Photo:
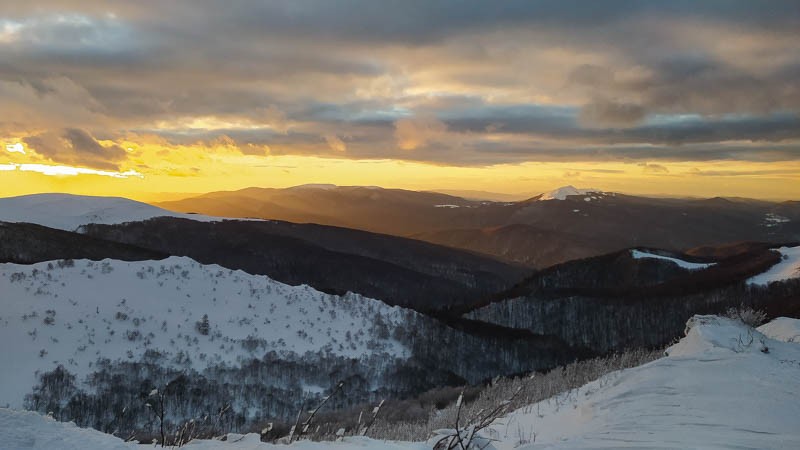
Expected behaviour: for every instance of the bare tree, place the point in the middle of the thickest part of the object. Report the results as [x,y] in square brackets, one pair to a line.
[467,438]
[363,430]
[295,433]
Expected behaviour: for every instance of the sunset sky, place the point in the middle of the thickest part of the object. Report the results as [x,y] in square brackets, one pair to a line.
[156,99]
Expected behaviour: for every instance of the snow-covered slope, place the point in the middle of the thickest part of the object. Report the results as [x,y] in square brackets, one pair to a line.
[724,385]
[788,267]
[783,329]
[69,212]
[72,314]
[563,192]
[26,430]
[638,254]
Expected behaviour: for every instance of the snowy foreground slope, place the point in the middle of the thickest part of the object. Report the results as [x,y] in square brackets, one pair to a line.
[69,212]
[724,385]
[73,313]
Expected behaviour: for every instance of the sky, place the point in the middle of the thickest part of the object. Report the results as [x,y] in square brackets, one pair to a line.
[155,100]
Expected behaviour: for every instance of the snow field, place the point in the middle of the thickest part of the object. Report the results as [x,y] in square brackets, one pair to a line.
[787,268]
[638,254]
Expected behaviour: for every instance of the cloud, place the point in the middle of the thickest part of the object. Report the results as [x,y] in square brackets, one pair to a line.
[653,168]
[745,173]
[335,143]
[416,132]
[530,81]
[76,147]
[15,148]
[59,170]
[591,75]
[605,113]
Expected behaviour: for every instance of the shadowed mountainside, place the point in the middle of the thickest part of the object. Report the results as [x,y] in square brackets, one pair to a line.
[25,243]
[538,232]
[396,270]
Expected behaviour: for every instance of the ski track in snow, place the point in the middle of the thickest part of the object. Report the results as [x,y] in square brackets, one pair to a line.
[112,309]
[638,254]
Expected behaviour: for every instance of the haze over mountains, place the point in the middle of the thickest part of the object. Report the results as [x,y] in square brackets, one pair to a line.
[548,229]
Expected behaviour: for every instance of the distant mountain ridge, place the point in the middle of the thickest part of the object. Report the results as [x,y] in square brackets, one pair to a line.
[541,231]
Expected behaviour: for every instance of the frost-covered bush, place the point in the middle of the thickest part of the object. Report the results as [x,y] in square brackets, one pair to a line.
[747,315]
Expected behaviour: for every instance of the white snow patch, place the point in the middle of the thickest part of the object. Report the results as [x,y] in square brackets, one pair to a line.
[563,192]
[772,219]
[447,206]
[638,254]
[783,329]
[55,314]
[788,267]
[70,212]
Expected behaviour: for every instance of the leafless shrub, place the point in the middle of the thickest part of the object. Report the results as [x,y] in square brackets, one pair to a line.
[747,315]
[469,436]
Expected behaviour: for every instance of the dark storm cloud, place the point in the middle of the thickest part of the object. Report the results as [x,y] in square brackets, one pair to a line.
[660,78]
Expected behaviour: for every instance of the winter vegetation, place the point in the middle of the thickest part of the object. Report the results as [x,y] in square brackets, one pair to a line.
[622,302]
[225,348]
[696,386]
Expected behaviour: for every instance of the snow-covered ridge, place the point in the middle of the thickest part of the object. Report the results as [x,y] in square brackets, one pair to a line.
[563,192]
[638,254]
[787,268]
[70,212]
[72,313]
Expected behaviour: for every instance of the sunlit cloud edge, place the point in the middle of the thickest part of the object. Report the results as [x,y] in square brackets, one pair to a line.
[54,170]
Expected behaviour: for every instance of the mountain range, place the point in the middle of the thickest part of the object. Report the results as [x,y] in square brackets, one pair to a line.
[108,299]
[547,229]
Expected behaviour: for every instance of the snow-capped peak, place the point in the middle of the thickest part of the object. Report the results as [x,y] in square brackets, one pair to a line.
[563,192]
[70,212]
